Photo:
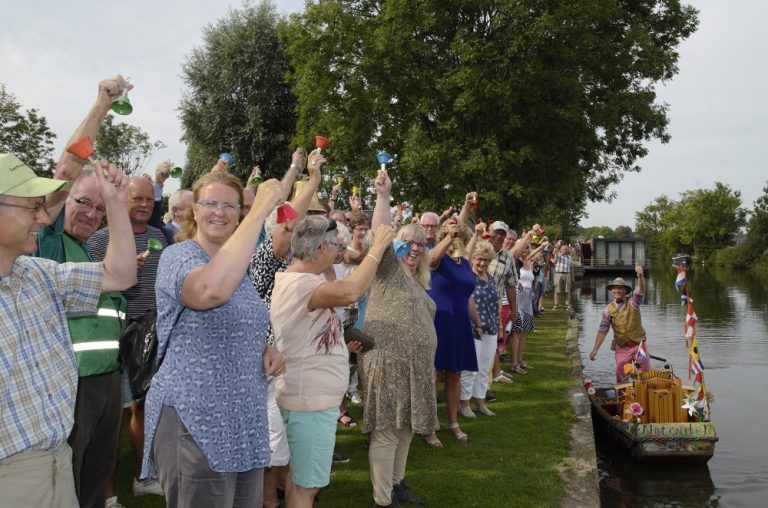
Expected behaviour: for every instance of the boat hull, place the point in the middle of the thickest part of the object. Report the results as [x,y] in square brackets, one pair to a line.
[657,442]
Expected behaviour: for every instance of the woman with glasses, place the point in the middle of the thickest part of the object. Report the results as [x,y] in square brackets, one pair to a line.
[206,415]
[309,333]
[398,374]
[484,311]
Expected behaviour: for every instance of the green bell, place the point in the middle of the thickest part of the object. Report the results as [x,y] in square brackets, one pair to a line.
[176,171]
[122,105]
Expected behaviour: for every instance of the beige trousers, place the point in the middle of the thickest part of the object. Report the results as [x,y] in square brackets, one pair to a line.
[387,457]
[38,479]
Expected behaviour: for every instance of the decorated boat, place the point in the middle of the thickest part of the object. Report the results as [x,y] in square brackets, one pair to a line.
[656,418]
[652,413]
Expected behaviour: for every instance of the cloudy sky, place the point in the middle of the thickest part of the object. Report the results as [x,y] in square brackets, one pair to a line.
[53,53]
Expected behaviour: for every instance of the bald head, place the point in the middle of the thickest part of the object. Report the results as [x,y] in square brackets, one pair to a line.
[140,201]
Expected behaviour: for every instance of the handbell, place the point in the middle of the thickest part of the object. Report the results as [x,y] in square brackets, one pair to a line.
[321,142]
[402,248]
[122,105]
[285,213]
[339,179]
[176,171]
[82,148]
[458,248]
[384,158]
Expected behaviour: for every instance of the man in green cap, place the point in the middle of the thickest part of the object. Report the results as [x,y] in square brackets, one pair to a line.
[38,373]
[623,315]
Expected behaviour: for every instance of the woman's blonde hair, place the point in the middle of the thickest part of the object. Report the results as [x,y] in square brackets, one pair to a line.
[188,225]
[416,233]
[484,247]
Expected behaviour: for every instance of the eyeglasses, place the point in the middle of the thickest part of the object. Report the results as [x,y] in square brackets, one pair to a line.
[482,260]
[429,226]
[39,207]
[211,205]
[86,203]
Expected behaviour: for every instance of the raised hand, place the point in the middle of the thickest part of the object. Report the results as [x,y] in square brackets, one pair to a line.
[382,182]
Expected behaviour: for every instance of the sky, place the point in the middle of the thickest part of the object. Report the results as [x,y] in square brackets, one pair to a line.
[53,54]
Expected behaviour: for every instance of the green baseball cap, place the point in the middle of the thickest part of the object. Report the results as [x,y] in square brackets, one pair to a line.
[17,179]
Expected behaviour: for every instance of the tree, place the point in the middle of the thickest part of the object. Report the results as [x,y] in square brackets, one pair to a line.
[25,134]
[757,227]
[622,232]
[237,99]
[125,145]
[530,103]
[710,219]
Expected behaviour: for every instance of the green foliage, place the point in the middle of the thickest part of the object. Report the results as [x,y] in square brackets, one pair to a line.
[237,100]
[622,232]
[25,134]
[540,106]
[757,227]
[702,222]
[125,145]
[735,257]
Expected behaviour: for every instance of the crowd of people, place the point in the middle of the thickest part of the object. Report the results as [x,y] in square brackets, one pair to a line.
[252,304]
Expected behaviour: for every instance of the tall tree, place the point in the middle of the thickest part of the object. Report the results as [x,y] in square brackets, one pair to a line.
[757,227]
[529,102]
[710,218]
[25,134]
[125,145]
[237,99]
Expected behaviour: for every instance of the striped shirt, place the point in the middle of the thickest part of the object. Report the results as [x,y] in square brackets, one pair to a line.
[38,375]
[140,297]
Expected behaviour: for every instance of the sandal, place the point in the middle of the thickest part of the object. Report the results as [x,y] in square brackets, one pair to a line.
[457,433]
[347,420]
[432,440]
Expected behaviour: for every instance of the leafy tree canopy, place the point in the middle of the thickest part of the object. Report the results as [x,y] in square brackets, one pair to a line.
[25,134]
[237,100]
[701,223]
[540,106]
[125,145]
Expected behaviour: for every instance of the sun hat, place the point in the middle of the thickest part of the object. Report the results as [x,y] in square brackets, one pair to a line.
[499,226]
[619,282]
[17,179]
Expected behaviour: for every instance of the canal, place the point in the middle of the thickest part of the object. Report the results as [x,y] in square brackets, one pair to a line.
[732,333]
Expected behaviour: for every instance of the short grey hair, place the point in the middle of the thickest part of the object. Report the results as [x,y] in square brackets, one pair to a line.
[430,214]
[176,197]
[309,234]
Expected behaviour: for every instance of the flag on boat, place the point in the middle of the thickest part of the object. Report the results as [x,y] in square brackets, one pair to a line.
[680,281]
[642,353]
[690,323]
[696,367]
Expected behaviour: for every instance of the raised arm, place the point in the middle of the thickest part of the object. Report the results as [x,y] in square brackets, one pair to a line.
[298,162]
[350,289]
[382,211]
[470,201]
[69,167]
[302,201]
[214,283]
[120,259]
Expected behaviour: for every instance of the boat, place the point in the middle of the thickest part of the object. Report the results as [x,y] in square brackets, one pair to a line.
[681,259]
[667,430]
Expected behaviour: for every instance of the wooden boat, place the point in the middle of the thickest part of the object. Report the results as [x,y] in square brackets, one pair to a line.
[665,431]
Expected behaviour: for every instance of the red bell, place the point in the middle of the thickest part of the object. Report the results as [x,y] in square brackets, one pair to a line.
[82,148]
[285,213]
[321,142]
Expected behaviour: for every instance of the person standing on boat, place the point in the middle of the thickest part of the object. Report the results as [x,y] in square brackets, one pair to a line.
[623,314]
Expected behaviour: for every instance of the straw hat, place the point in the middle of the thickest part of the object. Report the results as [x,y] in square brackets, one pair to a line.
[619,282]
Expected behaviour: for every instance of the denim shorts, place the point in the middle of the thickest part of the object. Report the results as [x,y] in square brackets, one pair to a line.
[311,438]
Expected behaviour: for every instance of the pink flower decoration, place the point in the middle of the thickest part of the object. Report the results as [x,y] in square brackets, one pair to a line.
[636,409]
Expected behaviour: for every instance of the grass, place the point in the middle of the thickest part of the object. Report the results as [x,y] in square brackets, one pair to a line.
[510,459]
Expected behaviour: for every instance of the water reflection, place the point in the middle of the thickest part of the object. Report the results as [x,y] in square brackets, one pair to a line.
[732,333]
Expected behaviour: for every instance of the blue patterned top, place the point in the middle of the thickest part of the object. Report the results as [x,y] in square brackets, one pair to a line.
[212,373]
[487,301]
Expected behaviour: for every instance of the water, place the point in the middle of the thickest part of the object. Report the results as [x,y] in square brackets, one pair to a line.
[732,333]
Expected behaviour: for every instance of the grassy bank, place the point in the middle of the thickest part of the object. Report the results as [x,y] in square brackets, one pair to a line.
[510,458]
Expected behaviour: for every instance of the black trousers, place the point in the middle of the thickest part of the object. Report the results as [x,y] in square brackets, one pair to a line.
[95,436]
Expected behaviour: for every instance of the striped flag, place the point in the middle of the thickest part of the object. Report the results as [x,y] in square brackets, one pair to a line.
[690,322]
[642,353]
[680,281]
[696,367]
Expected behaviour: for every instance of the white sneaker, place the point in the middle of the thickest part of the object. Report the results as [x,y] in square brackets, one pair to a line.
[355,398]
[484,411]
[467,412]
[112,503]
[150,486]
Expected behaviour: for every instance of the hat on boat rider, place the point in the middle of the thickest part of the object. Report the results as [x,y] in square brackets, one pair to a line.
[619,282]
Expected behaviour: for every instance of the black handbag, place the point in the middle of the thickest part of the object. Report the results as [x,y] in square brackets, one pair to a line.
[138,351]
[354,334]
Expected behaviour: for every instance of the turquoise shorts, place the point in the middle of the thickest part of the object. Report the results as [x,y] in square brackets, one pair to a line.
[311,438]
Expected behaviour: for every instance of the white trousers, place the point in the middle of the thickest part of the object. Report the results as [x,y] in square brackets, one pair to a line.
[475,384]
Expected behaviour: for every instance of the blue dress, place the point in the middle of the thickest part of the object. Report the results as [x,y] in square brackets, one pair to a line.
[451,286]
